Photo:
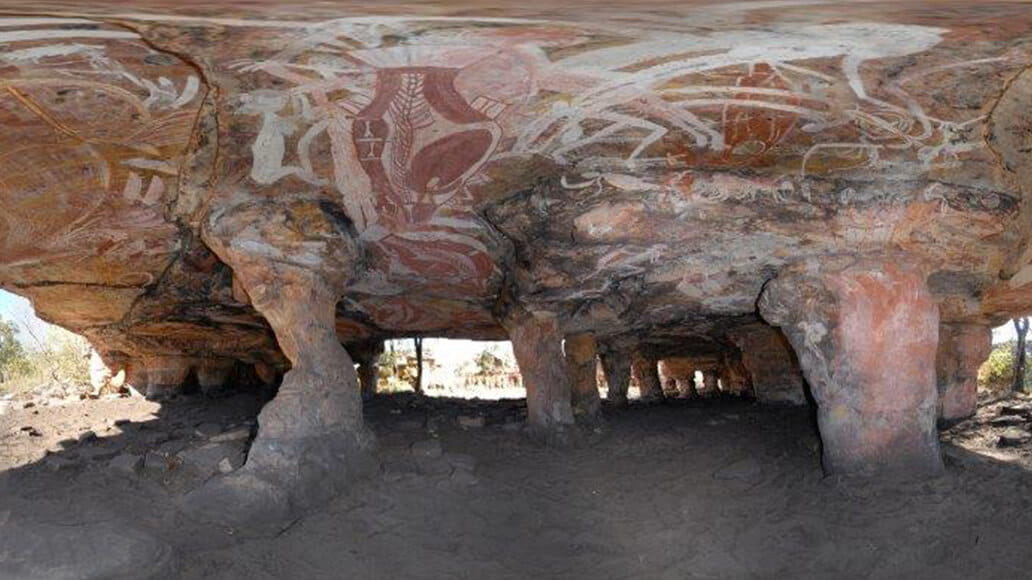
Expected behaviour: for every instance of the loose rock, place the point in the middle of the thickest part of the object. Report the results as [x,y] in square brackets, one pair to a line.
[427,448]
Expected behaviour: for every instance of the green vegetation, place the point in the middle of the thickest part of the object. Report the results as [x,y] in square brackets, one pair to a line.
[997,374]
[56,357]
[13,358]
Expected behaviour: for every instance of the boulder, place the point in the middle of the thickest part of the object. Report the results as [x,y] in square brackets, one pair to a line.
[1014,437]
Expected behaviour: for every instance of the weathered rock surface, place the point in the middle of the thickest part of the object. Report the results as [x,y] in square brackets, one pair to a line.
[89,551]
[210,197]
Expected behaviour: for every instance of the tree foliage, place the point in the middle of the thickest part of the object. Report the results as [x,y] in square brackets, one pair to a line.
[13,358]
[997,374]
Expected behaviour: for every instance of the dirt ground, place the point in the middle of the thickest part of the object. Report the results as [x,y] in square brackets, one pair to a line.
[703,489]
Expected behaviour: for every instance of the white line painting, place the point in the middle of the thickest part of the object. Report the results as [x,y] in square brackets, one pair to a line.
[602,109]
[102,120]
[402,116]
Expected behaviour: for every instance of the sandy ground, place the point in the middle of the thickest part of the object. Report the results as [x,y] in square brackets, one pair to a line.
[707,489]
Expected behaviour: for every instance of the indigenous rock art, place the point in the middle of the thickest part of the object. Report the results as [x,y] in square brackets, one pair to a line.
[173,182]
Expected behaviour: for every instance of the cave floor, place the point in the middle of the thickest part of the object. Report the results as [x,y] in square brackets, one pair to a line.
[702,489]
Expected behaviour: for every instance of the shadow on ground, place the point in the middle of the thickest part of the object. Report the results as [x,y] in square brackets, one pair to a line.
[701,489]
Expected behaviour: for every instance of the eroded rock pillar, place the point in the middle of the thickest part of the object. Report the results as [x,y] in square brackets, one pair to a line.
[616,365]
[368,358]
[213,375]
[962,350]
[771,365]
[582,362]
[682,372]
[710,376]
[160,377]
[293,258]
[866,338]
[646,373]
[537,344]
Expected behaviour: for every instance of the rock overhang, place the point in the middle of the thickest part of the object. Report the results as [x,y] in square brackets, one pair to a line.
[629,173]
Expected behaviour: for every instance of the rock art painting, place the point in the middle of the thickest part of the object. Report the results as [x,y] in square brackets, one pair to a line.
[623,171]
[95,125]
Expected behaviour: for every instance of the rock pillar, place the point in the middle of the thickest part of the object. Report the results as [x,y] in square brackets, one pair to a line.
[733,375]
[293,257]
[681,371]
[213,375]
[160,378]
[772,367]
[582,362]
[866,338]
[368,358]
[962,350]
[646,373]
[710,376]
[616,365]
[537,344]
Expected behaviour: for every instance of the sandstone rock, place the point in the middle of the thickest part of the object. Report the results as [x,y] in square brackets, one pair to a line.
[170,448]
[208,430]
[426,448]
[1023,409]
[461,461]
[433,466]
[98,453]
[87,551]
[208,458]
[60,463]
[228,465]
[1008,420]
[238,434]
[641,185]
[471,422]
[155,463]
[395,470]
[463,477]
[1013,437]
[127,463]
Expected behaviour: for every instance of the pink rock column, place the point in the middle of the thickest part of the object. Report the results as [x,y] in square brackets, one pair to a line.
[962,350]
[646,373]
[866,337]
[582,362]
[537,344]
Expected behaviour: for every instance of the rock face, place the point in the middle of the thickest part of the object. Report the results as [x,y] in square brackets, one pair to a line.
[204,196]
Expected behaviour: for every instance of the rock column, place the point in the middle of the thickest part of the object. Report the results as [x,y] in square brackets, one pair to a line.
[962,350]
[710,376]
[866,338]
[537,344]
[292,258]
[582,362]
[771,365]
[213,375]
[160,378]
[616,365]
[369,368]
[646,373]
